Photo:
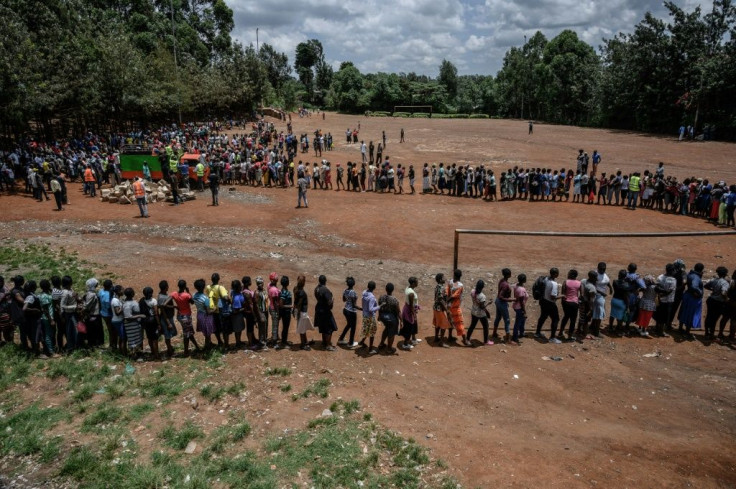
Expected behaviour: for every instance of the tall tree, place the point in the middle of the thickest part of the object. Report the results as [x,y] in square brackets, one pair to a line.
[448,77]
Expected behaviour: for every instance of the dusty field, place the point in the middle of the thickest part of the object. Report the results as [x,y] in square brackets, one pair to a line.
[603,416]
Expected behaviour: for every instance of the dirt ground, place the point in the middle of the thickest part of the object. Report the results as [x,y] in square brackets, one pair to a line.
[500,416]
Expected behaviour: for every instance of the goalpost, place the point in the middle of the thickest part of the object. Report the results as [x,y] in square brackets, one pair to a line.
[412,109]
[501,232]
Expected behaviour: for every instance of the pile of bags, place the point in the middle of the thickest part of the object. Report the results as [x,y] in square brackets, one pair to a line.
[155,192]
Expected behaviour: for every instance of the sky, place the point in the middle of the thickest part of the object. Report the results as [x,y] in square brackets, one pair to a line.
[416,35]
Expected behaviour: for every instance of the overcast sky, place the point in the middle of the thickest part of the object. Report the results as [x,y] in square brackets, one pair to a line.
[415,35]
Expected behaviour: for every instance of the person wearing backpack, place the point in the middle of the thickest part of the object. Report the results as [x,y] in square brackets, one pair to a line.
[548,304]
[219,305]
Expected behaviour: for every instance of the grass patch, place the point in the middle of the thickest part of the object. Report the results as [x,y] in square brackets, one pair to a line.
[228,434]
[162,383]
[213,392]
[178,439]
[38,261]
[347,407]
[318,389]
[22,433]
[104,416]
[278,371]
[285,387]
[138,411]
[15,366]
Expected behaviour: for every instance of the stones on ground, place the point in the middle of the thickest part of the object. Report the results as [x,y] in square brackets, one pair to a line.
[191,446]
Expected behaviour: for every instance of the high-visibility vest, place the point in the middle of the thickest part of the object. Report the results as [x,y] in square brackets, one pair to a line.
[200,169]
[139,189]
[89,176]
[173,163]
[634,184]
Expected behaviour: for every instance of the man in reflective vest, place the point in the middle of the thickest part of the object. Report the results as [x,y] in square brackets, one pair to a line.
[139,190]
[634,188]
[200,175]
[89,181]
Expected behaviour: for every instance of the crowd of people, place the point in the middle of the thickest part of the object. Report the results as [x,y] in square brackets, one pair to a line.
[52,318]
[267,157]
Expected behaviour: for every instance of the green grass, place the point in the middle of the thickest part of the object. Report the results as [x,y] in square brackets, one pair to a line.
[15,366]
[213,392]
[285,387]
[227,435]
[139,411]
[318,389]
[23,432]
[178,439]
[278,371]
[162,383]
[102,417]
[38,261]
[348,407]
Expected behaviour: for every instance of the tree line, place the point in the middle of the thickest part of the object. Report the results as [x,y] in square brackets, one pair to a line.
[67,66]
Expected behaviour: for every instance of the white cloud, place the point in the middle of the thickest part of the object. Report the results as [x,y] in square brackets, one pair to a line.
[415,35]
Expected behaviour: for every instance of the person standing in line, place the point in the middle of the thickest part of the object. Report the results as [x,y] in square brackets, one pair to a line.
[440,314]
[479,312]
[219,306]
[388,314]
[370,326]
[274,306]
[716,301]
[692,302]
[323,318]
[602,288]
[166,310]
[184,303]
[548,305]
[503,298]
[401,138]
[570,304]
[729,314]
[410,326]
[300,312]
[285,307]
[587,300]
[519,306]
[455,297]
[666,285]
[350,298]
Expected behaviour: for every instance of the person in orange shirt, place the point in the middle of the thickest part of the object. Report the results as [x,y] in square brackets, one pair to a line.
[139,190]
[89,181]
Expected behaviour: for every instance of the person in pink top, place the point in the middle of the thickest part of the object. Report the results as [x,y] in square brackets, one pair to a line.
[519,306]
[274,302]
[570,304]
[183,300]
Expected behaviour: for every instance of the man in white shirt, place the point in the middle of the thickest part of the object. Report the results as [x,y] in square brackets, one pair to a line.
[548,305]
[363,150]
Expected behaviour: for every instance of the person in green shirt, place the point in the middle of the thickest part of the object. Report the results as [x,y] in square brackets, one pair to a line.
[634,187]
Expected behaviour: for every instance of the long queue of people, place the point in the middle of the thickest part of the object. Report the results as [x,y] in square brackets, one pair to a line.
[51,318]
[268,157]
